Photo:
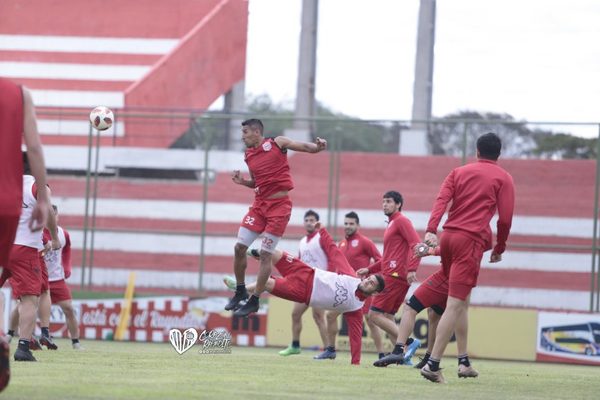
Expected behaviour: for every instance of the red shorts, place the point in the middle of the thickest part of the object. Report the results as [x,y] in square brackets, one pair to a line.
[297,282]
[45,282]
[433,292]
[59,291]
[392,297]
[269,215]
[8,230]
[25,270]
[461,259]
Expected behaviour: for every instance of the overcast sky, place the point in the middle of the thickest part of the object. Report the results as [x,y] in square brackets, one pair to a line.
[537,60]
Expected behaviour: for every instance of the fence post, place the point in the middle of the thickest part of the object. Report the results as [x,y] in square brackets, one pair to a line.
[595,276]
[86,211]
[207,145]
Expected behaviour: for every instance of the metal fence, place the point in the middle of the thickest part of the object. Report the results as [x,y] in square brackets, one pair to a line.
[113,171]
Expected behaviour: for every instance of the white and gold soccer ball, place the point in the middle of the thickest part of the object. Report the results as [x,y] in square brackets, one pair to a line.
[101,118]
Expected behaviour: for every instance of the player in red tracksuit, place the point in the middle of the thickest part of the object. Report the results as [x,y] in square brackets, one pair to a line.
[475,191]
[271,181]
[341,291]
[18,122]
[398,266]
[360,251]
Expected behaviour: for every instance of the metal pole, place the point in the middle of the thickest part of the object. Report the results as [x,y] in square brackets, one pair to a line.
[464,149]
[207,146]
[338,151]
[94,202]
[595,284]
[86,210]
[330,185]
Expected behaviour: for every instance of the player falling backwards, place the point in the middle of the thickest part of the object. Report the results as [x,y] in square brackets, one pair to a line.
[271,210]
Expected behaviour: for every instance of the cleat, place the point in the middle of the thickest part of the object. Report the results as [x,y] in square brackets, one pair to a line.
[234,302]
[433,376]
[230,282]
[254,253]
[247,309]
[290,351]
[467,372]
[422,362]
[48,342]
[390,359]
[4,364]
[78,346]
[410,351]
[326,355]
[34,344]
[21,355]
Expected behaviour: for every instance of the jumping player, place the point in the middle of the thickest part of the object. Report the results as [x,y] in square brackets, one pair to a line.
[269,214]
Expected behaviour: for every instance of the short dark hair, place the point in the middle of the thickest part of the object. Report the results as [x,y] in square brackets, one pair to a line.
[26,166]
[311,213]
[396,196]
[489,146]
[381,283]
[254,123]
[353,215]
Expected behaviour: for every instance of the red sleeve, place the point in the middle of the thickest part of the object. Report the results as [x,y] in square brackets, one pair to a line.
[441,203]
[66,255]
[336,260]
[354,320]
[407,230]
[373,251]
[506,205]
[375,267]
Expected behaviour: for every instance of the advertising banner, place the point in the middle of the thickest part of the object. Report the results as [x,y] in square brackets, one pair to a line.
[568,337]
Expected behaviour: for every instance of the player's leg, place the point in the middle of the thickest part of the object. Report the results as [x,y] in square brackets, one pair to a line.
[329,352]
[27,314]
[244,239]
[433,318]
[385,322]
[297,312]
[319,318]
[375,333]
[276,215]
[465,370]
[44,315]
[355,330]
[72,323]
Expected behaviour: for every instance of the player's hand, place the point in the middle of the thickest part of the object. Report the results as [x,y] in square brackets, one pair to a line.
[47,248]
[321,144]
[421,250]
[55,244]
[411,277]
[236,177]
[431,239]
[495,257]
[38,217]
[362,272]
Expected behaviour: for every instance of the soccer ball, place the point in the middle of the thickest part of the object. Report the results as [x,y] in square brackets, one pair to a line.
[101,118]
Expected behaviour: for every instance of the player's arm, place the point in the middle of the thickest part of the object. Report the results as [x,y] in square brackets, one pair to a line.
[286,143]
[66,255]
[371,269]
[35,154]
[439,208]
[237,177]
[51,223]
[374,251]
[506,205]
[407,231]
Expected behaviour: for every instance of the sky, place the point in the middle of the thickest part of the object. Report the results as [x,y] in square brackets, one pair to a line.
[537,60]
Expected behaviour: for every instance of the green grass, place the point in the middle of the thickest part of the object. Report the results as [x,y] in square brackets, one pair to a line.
[111,370]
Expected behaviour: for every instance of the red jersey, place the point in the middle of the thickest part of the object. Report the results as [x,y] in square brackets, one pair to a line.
[269,167]
[359,250]
[476,191]
[11,162]
[399,240]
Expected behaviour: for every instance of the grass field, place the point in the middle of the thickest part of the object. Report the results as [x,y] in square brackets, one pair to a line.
[111,370]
